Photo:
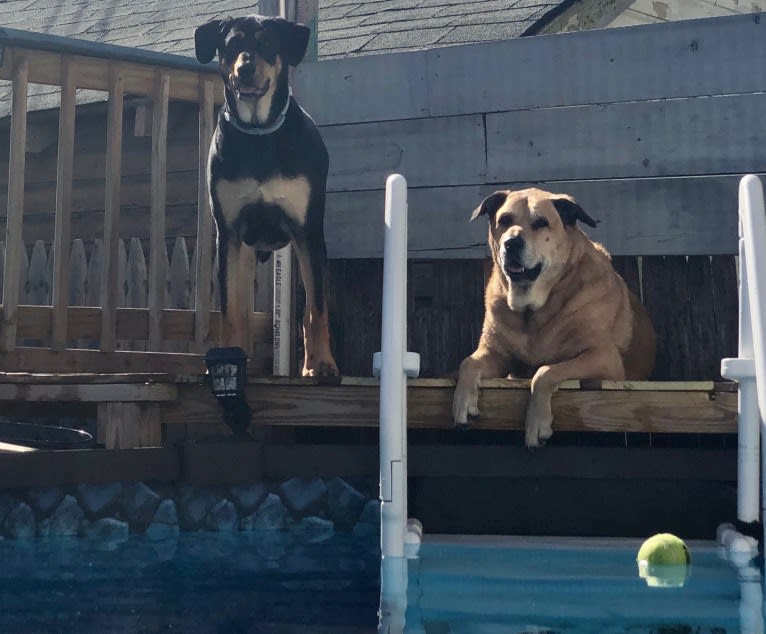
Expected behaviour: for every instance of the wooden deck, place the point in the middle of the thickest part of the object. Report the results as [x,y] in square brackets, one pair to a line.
[168,428]
[701,407]
[608,406]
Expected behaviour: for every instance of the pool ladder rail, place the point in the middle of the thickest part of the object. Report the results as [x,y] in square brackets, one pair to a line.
[399,536]
[749,370]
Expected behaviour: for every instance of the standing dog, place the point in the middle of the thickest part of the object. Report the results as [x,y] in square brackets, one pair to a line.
[267,170]
[555,309]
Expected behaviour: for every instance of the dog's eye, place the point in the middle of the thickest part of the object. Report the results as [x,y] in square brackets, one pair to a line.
[505,221]
[539,223]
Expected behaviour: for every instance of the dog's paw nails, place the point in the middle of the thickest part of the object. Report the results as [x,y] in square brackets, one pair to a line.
[532,438]
[463,426]
[321,369]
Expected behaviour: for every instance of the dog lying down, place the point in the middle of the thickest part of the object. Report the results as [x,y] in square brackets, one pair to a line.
[555,309]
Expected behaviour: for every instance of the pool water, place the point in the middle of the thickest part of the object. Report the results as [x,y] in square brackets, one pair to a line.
[582,586]
[273,583]
[195,583]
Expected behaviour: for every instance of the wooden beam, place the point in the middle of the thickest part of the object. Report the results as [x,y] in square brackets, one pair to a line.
[62,233]
[645,407]
[227,463]
[129,425]
[88,393]
[599,66]
[45,68]
[90,378]
[84,322]
[500,461]
[44,468]
[159,169]
[113,179]
[628,211]
[13,231]
[204,249]
[75,361]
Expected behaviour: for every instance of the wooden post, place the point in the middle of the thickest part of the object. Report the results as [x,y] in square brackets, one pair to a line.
[269,7]
[307,12]
[112,211]
[157,258]
[13,243]
[129,425]
[204,250]
[63,221]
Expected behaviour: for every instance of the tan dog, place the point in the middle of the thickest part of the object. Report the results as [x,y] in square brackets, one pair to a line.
[555,309]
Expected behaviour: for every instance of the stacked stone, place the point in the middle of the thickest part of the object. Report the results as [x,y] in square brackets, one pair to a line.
[313,509]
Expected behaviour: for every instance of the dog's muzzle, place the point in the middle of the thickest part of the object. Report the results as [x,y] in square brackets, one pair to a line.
[245,83]
[513,262]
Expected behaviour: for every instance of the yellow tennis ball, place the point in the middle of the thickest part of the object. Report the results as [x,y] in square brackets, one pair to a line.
[663,560]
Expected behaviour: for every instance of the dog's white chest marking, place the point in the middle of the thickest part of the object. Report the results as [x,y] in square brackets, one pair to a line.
[291,194]
[255,113]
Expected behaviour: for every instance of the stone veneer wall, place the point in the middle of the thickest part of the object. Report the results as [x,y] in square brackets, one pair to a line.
[312,508]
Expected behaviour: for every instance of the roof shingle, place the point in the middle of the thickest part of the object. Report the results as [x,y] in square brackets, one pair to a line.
[346,27]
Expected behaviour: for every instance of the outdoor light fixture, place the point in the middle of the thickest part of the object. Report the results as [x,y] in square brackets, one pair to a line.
[227,369]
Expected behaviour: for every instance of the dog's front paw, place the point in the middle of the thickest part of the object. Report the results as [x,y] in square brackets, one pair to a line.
[465,402]
[538,426]
[321,368]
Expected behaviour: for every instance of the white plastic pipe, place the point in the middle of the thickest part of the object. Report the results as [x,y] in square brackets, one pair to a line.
[394,364]
[393,405]
[753,230]
[742,370]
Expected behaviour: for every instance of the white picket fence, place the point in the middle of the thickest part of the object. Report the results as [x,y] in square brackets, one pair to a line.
[85,273]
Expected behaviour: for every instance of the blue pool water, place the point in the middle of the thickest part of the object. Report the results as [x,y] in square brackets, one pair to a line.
[582,586]
[249,582]
[196,583]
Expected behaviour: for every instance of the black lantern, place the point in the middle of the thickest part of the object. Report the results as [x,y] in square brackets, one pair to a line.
[227,370]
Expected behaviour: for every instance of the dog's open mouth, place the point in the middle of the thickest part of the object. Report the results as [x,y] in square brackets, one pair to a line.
[252,91]
[519,273]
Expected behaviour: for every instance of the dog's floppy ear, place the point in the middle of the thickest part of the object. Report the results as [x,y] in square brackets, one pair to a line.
[207,39]
[571,212]
[294,39]
[490,205]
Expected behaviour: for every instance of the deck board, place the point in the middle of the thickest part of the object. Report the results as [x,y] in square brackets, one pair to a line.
[658,407]
[699,407]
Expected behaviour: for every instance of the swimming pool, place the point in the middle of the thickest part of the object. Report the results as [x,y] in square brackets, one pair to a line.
[271,582]
[194,583]
[573,585]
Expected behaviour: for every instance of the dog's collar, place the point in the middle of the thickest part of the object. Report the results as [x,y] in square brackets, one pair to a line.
[255,130]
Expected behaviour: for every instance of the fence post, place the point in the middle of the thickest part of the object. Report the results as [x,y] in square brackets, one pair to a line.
[63,222]
[112,212]
[13,244]
[159,171]
[204,248]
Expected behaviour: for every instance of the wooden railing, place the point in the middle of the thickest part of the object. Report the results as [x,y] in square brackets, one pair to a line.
[61,326]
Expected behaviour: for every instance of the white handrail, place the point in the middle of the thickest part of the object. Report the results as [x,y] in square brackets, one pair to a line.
[749,368]
[394,364]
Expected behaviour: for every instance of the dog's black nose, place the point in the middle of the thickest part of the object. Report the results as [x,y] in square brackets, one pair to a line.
[514,243]
[246,70]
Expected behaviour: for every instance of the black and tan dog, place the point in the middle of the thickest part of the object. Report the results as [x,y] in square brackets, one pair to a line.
[267,170]
[555,309]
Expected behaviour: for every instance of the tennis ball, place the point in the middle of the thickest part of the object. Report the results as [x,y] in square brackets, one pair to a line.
[663,561]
